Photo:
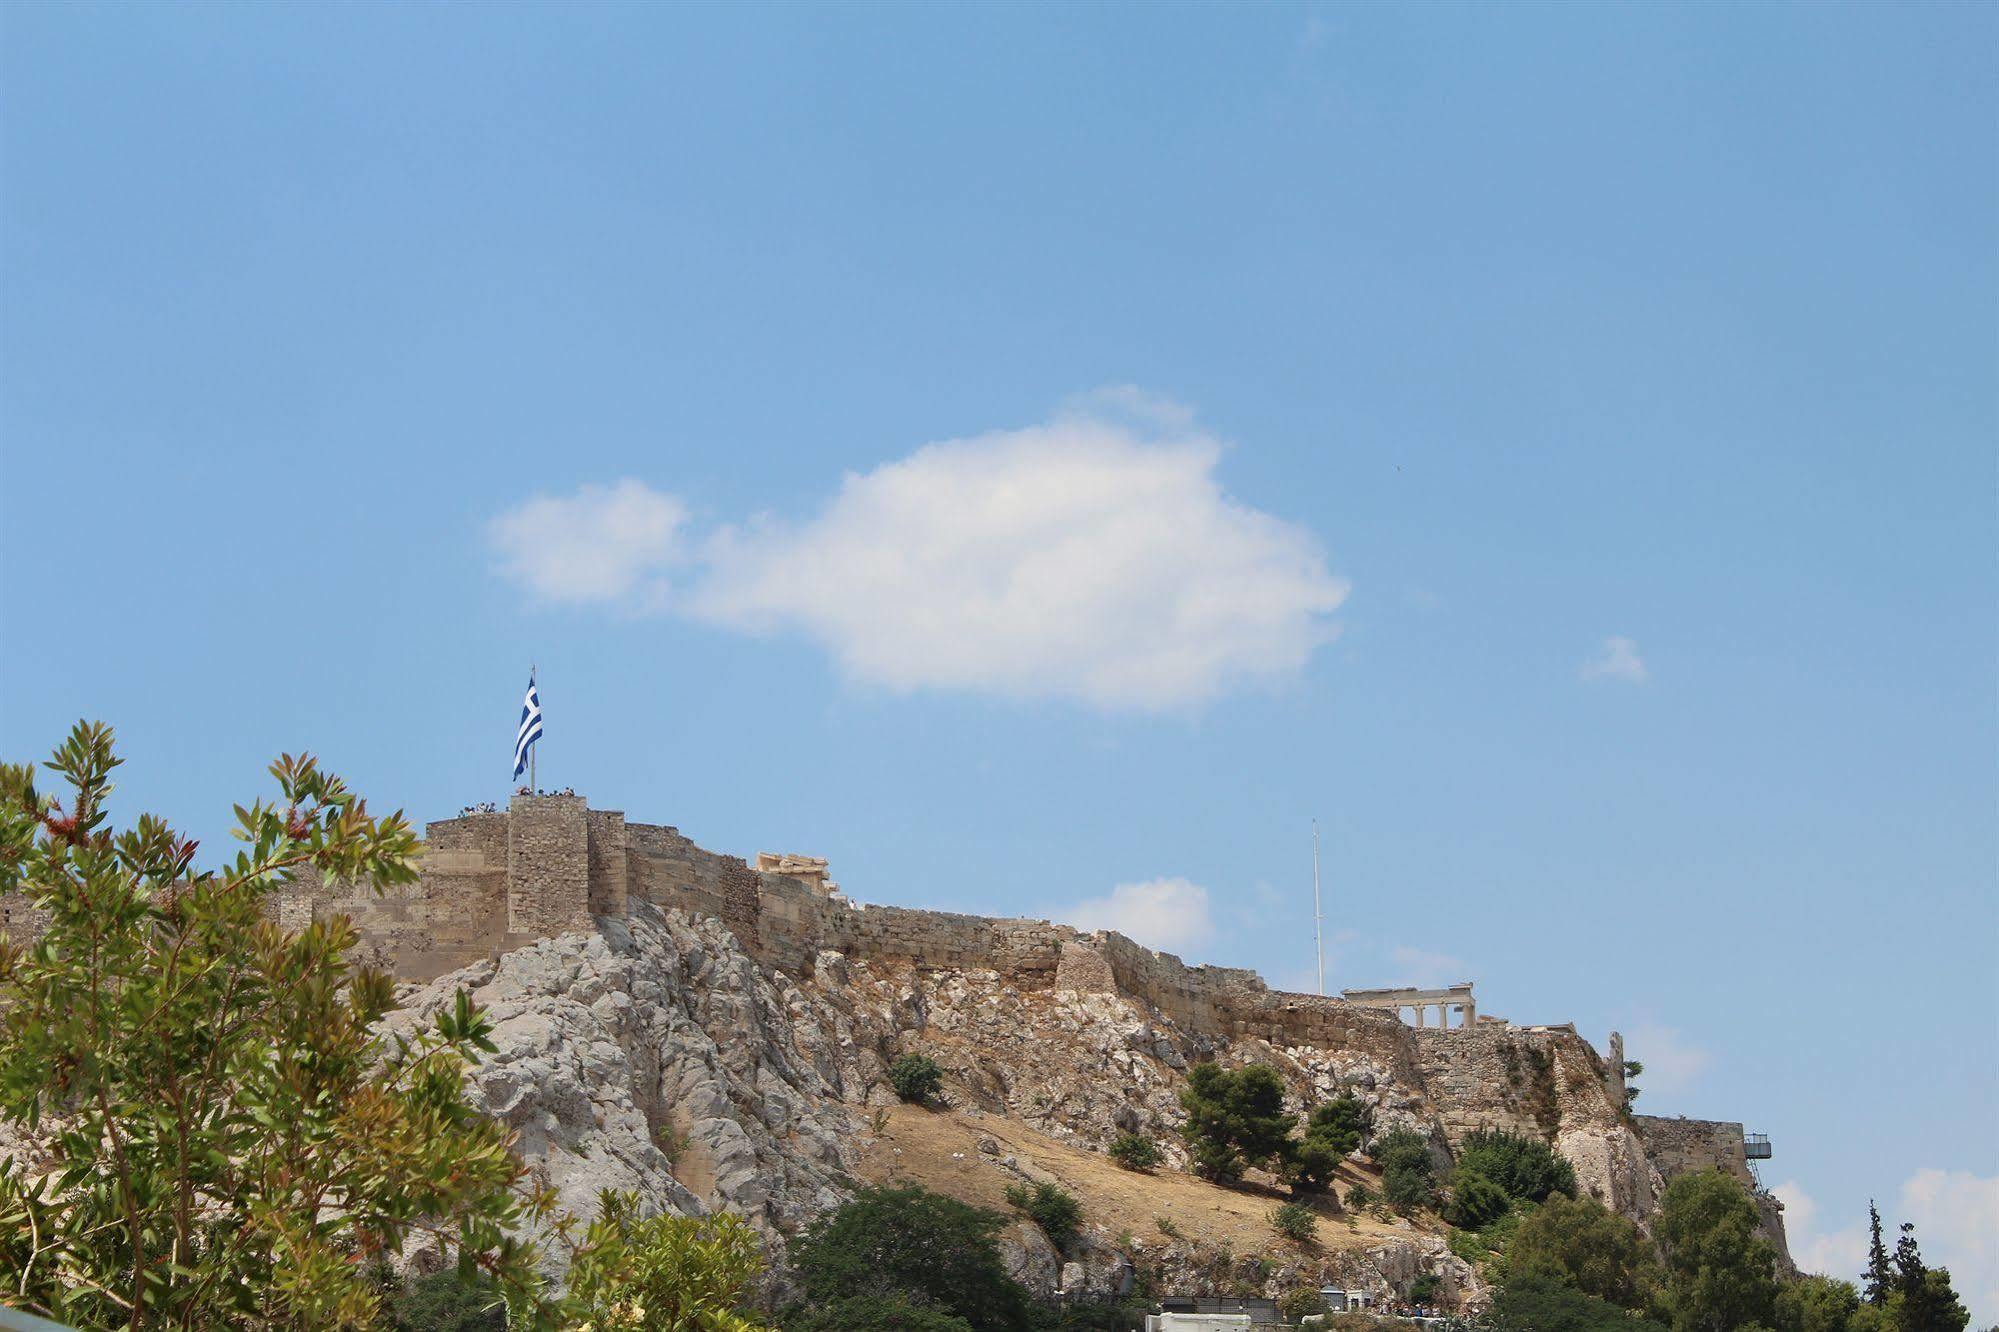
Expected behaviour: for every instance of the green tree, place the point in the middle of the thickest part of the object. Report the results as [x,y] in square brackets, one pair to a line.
[1053,1209]
[908,1241]
[1527,1168]
[1922,1299]
[1540,1304]
[1334,1130]
[1134,1151]
[1816,1304]
[915,1077]
[211,1133]
[1880,1277]
[1582,1243]
[1235,1119]
[874,1313]
[1720,1276]
[663,1273]
[1407,1169]
[1475,1201]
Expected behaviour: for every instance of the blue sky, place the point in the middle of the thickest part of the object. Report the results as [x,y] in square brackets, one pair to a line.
[1021,454]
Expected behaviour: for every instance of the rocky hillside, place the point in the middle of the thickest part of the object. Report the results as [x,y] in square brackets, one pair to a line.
[658,1053]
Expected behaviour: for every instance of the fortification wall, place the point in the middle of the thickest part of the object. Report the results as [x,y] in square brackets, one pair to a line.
[1682,1146]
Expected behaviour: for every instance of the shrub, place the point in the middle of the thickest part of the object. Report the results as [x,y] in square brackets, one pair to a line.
[935,1251]
[1527,1168]
[1294,1305]
[1467,1245]
[1235,1118]
[445,1302]
[164,1022]
[1054,1210]
[1295,1221]
[664,1273]
[1135,1151]
[915,1077]
[1359,1196]
[1166,1227]
[1475,1202]
[1424,1288]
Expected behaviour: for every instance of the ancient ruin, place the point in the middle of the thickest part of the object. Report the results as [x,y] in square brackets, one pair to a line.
[650,990]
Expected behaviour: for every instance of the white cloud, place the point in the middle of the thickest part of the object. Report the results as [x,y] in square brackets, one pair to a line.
[1956,1215]
[1428,970]
[1840,1253]
[1957,1222]
[1085,558]
[1617,659]
[1160,913]
[604,544]
[1094,557]
[1672,1062]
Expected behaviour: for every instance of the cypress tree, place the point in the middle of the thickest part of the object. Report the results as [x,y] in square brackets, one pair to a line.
[1880,1276]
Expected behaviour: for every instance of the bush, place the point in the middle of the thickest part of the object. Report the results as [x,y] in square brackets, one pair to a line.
[1135,1151]
[1527,1168]
[1235,1118]
[1295,1221]
[1423,1289]
[165,1020]
[445,1302]
[1055,1211]
[1359,1196]
[1294,1305]
[934,1251]
[1475,1202]
[665,1273]
[915,1078]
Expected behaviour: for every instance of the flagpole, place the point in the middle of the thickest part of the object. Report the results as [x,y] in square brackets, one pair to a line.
[534,786]
[1318,919]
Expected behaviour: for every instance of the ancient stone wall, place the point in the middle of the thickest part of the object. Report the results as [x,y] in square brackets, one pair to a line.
[1682,1146]
[548,866]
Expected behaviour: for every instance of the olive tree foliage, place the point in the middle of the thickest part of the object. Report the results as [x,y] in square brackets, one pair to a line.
[209,1133]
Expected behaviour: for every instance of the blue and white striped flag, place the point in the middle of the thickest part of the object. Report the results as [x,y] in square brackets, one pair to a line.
[530,729]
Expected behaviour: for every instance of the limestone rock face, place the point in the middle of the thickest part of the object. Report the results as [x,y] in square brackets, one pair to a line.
[654,1055]
[657,1053]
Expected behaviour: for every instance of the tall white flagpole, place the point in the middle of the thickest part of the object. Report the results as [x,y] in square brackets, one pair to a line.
[1318,919]
[533,785]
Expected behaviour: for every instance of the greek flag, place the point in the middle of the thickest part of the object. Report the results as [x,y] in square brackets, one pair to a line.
[530,729]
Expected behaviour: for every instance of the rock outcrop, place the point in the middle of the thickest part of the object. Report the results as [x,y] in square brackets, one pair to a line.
[656,1053]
